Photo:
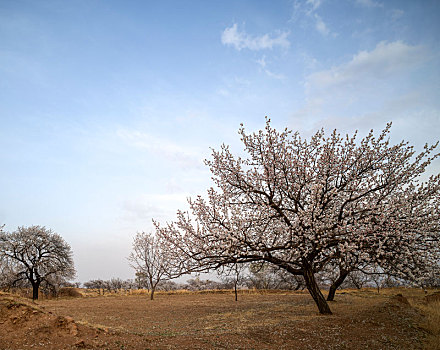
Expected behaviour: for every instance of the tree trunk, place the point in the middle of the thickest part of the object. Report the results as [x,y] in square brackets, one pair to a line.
[35,287]
[314,291]
[336,284]
[153,287]
[235,290]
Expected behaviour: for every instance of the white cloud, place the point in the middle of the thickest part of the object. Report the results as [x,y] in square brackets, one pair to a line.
[385,60]
[397,14]
[263,64]
[146,207]
[321,26]
[309,9]
[412,121]
[314,4]
[370,89]
[310,62]
[274,75]
[369,3]
[185,156]
[241,40]
[223,92]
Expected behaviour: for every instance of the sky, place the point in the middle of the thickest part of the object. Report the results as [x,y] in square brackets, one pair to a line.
[108,108]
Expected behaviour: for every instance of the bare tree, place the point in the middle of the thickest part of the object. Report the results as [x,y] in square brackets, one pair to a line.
[235,274]
[150,260]
[302,205]
[37,255]
[356,279]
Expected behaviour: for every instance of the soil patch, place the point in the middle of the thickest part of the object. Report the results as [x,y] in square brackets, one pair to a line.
[213,321]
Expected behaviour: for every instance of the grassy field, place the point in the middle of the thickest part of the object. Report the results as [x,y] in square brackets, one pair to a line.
[284,320]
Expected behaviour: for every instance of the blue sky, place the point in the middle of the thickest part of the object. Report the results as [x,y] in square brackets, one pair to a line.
[108,108]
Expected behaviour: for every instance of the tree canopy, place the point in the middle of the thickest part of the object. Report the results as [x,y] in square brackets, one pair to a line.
[304,204]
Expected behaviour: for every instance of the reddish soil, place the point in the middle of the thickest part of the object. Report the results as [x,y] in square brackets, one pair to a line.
[361,320]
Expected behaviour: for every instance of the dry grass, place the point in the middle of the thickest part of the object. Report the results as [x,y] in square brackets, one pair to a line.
[12,300]
[101,293]
[431,324]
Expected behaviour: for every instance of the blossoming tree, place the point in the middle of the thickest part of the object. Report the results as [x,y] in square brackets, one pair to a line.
[302,205]
[152,261]
[36,255]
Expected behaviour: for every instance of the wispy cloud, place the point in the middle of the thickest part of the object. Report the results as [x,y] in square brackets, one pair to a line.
[185,157]
[321,26]
[313,5]
[148,206]
[369,3]
[407,112]
[263,65]
[372,87]
[397,14]
[309,9]
[386,59]
[262,62]
[241,40]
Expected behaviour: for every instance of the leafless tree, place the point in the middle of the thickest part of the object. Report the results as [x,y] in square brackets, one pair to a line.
[236,274]
[356,279]
[37,255]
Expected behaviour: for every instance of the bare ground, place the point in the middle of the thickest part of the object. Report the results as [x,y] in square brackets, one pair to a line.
[361,320]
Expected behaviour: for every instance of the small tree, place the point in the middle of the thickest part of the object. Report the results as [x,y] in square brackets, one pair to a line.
[235,275]
[356,279]
[150,260]
[37,255]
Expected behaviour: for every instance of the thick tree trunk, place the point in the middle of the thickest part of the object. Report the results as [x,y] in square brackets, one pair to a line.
[336,284]
[315,292]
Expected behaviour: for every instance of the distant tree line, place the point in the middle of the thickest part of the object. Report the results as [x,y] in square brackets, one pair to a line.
[256,276]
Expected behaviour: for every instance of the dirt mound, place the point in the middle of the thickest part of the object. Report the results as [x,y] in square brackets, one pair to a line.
[70,292]
[401,299]
[435,297]
[25,324]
